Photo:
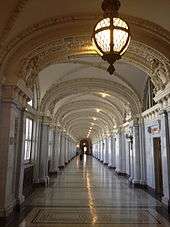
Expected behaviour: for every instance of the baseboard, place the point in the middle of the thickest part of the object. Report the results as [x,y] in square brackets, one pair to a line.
[122,174]
[153,192]
[53,173]
[111,167]
[104,163]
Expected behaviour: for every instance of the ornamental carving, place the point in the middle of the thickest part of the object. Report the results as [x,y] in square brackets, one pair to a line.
[32,71]
[43,27]
[159,74]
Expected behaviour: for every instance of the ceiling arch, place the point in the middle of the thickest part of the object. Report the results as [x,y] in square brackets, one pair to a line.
[95,108]
[70,96]
[85,86]
[73,105]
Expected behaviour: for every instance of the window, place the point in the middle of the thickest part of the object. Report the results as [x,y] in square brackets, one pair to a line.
[28,139]
[30,103]
[34,101]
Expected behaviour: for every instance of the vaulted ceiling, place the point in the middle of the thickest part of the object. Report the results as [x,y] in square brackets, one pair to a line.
[76,91]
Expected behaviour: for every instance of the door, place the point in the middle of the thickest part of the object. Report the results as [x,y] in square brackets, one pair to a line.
[158,166]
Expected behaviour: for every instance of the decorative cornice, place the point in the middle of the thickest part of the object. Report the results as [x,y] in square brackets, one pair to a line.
[14,94]
[55,21]
[161,95]
[151,114]
[11,21]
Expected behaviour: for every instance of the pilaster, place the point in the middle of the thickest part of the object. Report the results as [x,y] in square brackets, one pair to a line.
[43,151]
[62,151]
[13,103]
[136,153]
[112,163]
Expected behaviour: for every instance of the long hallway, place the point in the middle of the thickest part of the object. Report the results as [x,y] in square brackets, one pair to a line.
[87,193]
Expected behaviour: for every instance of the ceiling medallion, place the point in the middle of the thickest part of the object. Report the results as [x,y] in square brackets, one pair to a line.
[111,35]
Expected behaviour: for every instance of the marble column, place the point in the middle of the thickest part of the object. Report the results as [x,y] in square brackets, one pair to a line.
[62,151]
[36,147]
[165,153]
[101,150]
[98,150]
[136,153]
[112,161]
[55,153]
[106,153]
[67,151]
[70,154]
[142,152]
[21,164]
[118,152]
[43,151]
[13,102]
[131,161]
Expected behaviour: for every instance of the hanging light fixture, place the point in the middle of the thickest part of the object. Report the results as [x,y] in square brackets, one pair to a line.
[111,35]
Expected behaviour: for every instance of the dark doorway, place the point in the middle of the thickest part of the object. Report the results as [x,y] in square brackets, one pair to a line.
[158,167]
[85,146]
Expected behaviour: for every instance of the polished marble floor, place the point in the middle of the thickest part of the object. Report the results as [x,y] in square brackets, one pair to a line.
[87,193]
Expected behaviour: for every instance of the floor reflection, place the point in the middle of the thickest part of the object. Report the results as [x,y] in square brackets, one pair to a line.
[87,193]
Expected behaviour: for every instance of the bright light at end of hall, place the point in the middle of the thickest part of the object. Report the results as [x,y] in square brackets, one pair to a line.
[98,110]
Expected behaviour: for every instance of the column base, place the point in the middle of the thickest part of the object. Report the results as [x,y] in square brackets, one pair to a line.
[21,199]
[6,211]
[53,173]
[136,182]
[111,166]
[44,181]
[119,173]
[105,163]
[166,203]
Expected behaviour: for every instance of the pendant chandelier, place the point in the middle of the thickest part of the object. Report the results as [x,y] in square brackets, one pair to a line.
[111,35]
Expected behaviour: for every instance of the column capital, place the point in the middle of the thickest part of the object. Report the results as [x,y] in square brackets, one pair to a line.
[15,94]
[162,94]
[46,120]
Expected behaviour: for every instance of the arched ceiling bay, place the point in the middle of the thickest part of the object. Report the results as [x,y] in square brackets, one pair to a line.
[18,15]
[80,95]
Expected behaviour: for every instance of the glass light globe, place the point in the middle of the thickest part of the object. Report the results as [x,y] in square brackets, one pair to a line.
[111,36]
